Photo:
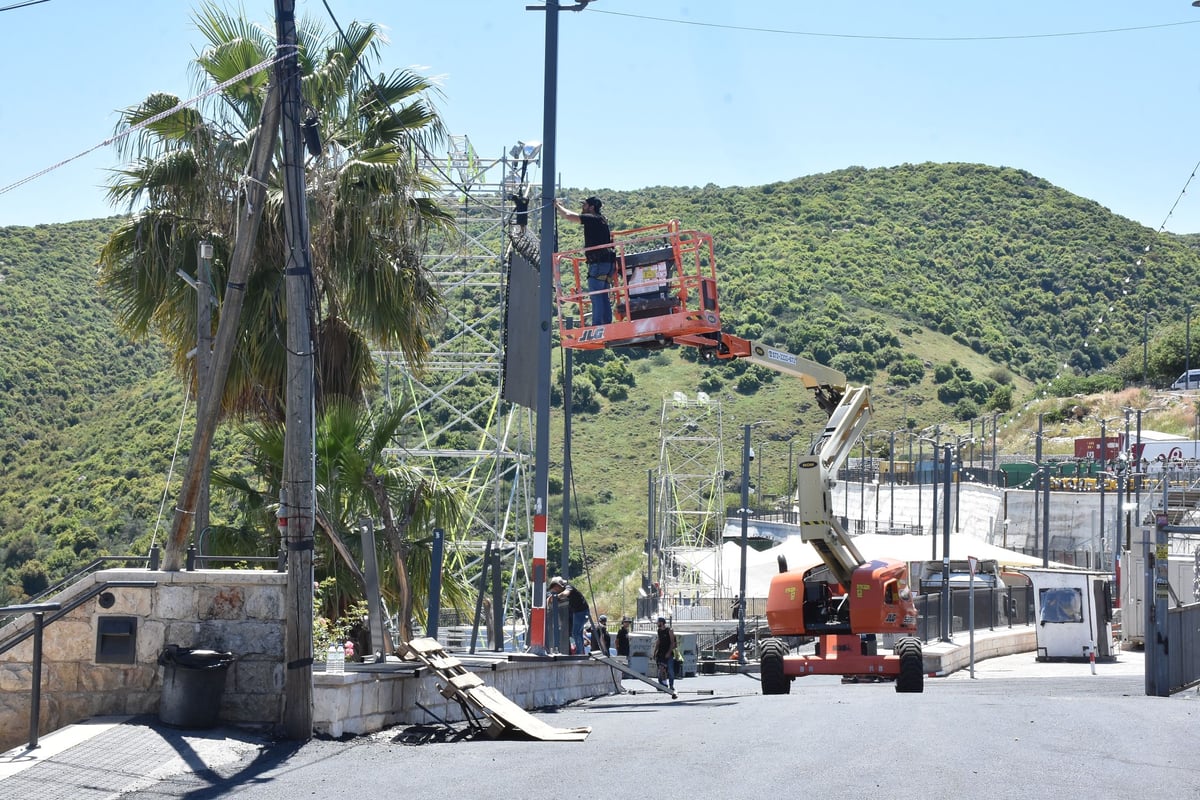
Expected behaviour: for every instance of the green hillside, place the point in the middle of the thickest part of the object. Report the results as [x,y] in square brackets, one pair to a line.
[952,289]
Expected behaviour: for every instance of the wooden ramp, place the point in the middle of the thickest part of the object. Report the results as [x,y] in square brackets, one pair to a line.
[620,667]
[484,707]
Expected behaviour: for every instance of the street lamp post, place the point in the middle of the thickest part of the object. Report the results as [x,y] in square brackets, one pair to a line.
[945,615]
[745,543]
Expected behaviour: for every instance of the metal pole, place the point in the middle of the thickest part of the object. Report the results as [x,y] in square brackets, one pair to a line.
[971,614]
[1045,511]
[650,522]
[564,568]
[1138,472]
[497,601]
[1129,466]
[946,548]
[790,488]
[958,484]
[920,481]
[366,530]
[35,690]
[933,526]
[862,486]
[435,582]
[892,480]
[1103,481]
[745,511]
[758,481]
[1041,474]
[537,633]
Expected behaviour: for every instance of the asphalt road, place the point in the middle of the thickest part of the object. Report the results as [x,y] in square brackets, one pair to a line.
[1019,729]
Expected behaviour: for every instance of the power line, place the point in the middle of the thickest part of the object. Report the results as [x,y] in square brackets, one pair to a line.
[22,5]
[144,123]
[1182,192]
[880,37]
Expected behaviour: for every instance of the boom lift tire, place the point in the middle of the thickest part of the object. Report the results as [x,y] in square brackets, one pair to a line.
[912,666]
[770,665]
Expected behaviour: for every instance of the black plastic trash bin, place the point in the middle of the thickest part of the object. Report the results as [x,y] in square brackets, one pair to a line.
[192,687]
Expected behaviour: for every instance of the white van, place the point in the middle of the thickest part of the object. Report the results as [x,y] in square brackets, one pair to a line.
[1188,380]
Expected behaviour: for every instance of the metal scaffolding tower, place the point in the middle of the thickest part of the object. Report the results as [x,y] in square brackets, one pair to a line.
[690,497]
[459,426]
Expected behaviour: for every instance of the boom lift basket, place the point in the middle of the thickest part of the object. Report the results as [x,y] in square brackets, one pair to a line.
[664,286]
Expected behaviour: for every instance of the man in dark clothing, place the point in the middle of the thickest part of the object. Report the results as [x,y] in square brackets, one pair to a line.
[576,604]
[664,653]
[623,638]
[601,261]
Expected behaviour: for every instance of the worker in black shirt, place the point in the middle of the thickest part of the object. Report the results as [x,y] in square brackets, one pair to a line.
[601,260]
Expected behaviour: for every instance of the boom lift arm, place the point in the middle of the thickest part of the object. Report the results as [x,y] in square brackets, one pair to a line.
[849,413]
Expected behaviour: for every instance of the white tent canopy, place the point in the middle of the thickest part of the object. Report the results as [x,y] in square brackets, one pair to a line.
[761,566]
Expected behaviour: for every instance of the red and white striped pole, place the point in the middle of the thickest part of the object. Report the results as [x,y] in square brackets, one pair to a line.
[537,613]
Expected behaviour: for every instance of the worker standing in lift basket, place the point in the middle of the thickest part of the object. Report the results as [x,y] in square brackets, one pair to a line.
[601,261]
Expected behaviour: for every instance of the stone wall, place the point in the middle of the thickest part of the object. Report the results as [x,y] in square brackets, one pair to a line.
[239,611]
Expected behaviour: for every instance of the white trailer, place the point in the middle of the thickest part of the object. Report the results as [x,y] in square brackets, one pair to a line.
[1181,574]
[1073,613]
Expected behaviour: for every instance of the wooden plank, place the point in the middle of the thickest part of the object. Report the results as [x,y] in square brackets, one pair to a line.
[425,645]
[443,662]
[498,706]
[467,680]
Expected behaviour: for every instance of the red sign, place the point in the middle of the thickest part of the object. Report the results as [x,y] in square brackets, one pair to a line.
[1089,447]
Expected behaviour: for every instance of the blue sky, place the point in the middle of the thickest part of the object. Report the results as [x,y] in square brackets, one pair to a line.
[1101,97]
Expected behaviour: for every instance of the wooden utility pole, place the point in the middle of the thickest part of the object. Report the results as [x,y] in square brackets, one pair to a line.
[298,502]
[209,404]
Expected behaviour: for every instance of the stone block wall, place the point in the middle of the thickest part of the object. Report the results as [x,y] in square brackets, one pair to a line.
[239,611]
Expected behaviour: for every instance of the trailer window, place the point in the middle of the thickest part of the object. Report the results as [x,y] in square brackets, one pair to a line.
[1061,605]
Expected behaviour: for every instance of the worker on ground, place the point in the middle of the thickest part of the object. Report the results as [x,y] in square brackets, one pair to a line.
[601,261]
[664,653]
[623,638]
[576,604]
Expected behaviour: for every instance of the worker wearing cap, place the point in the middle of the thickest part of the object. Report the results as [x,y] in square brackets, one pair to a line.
[601,259]
[578,606]
[623,638]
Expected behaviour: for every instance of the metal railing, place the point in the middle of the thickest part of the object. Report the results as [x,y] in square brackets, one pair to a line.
[994,608]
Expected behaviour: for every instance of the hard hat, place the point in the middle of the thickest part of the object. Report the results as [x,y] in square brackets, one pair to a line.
[604,618]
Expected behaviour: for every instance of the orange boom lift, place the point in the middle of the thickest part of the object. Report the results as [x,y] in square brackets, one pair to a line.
[664,293]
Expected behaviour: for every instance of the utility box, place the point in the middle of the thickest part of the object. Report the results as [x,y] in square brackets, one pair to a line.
[687,648]
[1182,572]
[641,647]
[1073,614]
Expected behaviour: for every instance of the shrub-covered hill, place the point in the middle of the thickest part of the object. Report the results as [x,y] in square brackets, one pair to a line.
[950,288]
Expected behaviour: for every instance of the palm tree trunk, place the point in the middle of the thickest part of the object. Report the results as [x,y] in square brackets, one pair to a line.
[227,330]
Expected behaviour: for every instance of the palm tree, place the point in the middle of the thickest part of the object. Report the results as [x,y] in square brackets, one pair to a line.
[355,478]
[368,208]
